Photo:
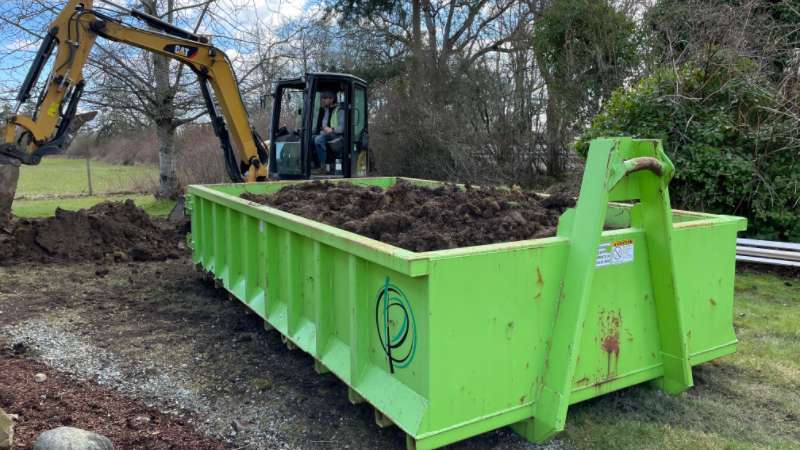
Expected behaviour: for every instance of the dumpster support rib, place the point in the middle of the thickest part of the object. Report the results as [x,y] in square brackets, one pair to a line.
[616,170]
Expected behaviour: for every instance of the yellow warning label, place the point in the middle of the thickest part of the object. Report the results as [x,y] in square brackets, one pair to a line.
[615,252]
[52,111]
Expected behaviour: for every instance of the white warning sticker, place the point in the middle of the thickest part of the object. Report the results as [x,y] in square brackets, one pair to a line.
[615,252]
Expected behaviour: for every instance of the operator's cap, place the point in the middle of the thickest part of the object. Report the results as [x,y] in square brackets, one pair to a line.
[330,94]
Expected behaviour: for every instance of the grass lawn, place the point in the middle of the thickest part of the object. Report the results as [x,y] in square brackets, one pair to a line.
[750,399]
[58,176]
[62,182]
[47,207]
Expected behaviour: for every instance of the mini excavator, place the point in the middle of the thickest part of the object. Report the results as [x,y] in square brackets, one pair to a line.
[289,152]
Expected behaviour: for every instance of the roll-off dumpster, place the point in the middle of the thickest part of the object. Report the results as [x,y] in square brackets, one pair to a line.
[453,343]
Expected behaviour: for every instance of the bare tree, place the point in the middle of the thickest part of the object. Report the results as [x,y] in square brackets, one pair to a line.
[152,87]
[149,89]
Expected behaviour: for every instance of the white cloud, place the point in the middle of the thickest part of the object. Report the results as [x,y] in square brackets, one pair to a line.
[232,53]
[277,12]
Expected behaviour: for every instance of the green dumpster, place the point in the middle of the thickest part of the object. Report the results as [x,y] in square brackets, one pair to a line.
[453,343]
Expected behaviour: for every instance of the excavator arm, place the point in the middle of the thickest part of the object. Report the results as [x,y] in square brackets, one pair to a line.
[26,139]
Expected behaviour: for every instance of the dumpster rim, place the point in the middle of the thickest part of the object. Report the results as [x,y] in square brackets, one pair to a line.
[405,261]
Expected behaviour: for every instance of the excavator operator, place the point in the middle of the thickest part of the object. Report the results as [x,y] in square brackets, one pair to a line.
[329,129]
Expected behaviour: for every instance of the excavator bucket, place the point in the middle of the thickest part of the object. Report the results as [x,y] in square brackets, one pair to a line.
[178,213]
[77,122]
[10,160]
[178,218]
[13,154]
[6,160]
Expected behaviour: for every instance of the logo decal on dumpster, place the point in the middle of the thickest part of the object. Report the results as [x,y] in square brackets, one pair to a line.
[397,329]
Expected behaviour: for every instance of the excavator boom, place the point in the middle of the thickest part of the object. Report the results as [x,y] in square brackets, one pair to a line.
[26,139]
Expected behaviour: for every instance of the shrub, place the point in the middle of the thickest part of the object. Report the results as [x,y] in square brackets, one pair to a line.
[734,141]
[200,159]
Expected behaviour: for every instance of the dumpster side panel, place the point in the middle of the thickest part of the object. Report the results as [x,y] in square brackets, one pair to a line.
[706,265]
[490,319]
[620,343]
[227,243]
[327,302]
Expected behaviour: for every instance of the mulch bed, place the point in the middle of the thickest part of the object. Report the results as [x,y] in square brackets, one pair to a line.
[63,401]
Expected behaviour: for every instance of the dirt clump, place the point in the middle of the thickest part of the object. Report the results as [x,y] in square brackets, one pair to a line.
[113,231]
[422,219]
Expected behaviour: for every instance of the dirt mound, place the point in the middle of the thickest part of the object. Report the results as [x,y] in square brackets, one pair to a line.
[107,231]
[423,219]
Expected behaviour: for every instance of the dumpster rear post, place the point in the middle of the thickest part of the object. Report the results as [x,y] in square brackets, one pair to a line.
[449,344]
[637,171]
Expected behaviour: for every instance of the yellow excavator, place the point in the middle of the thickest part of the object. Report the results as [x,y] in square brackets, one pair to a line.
[55,119]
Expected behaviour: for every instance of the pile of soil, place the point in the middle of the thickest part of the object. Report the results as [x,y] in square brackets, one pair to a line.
[118,231]
[424,219]
[61,401]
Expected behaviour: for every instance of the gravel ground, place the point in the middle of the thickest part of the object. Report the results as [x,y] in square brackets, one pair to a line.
[60,346]
[158,333]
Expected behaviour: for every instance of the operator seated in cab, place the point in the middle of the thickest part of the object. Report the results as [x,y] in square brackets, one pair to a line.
[329,127]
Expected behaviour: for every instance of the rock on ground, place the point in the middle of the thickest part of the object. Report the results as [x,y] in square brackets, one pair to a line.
[68,438]
[6,430]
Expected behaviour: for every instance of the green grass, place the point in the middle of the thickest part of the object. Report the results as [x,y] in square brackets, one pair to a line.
[47,207]
[750,399]
[67,177]
[62,183]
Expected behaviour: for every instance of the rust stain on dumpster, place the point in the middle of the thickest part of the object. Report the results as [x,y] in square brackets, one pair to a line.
[610,322]
[540,284]
[611,345]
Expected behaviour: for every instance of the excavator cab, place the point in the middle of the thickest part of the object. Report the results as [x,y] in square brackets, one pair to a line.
[27,138]
[296,116]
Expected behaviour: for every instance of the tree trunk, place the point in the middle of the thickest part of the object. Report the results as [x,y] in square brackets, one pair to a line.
[169,187]
[9,175]
[416,49]
[554,137]
[554,125]
[165,123]
[164,115]
[521,119]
